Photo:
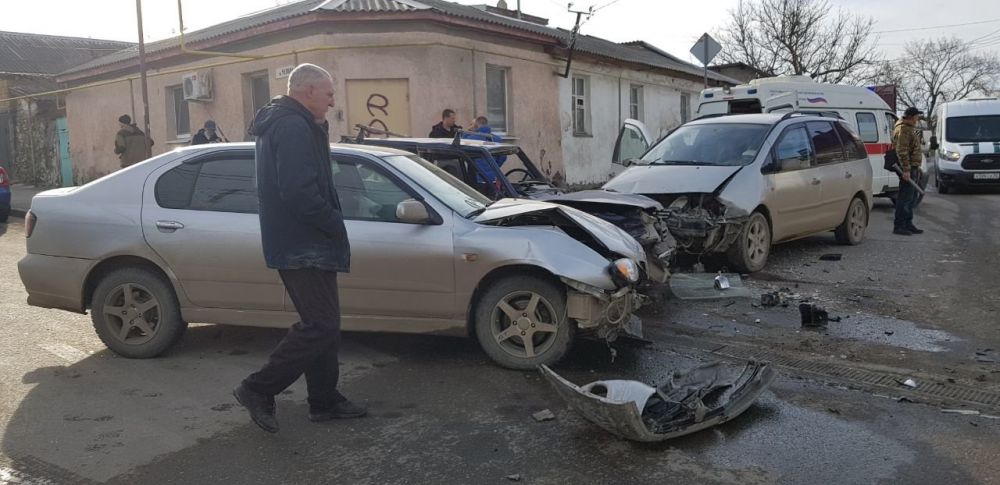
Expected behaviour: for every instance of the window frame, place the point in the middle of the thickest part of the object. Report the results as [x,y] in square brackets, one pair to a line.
[506,72]
[581,102]
[874,121]
[175,100]
[685,103]
[636,100]
[200,162]
[249,108]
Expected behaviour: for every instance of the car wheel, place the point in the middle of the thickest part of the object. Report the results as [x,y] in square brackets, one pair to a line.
[892,198]
[3,216]
[852,231]
[942,187]
[521,322]
[136,314]
[749,252]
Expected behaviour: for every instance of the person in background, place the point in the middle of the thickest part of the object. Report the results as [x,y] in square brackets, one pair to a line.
[906,140]
[130,142]
[447,127]
[483,131]
[208,134]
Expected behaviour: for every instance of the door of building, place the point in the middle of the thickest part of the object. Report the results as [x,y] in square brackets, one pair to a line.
[65,163]
[6,150]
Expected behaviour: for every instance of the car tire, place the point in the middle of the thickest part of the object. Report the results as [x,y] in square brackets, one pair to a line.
[749,253]
[144,302]
[4,214]
[851,231]
[503,333]
[892,198]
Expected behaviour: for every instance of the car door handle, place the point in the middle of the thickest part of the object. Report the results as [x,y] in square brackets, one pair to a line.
[816,181]
[169,226]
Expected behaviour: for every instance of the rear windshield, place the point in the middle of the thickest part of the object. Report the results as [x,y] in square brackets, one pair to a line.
[725,144]
[973,129]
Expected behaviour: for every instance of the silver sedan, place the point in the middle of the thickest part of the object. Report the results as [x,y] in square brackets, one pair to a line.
[176,239]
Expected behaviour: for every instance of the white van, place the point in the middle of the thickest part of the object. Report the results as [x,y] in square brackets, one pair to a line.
[966,143]
[861,108]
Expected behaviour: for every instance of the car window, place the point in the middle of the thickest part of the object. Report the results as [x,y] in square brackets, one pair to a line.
[854,148]
[217,185]
[366,192]
[868,127]
[716,144]
[826,142]
[793,150]
[890,122]
[458,196]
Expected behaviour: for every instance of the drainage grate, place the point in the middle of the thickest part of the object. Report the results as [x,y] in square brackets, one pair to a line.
[935,392]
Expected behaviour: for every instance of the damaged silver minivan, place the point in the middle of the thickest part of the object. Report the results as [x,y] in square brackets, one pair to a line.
[176,239]
[737,184]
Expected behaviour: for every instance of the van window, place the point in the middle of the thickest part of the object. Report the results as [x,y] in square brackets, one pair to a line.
[973,129]
[890,121]
[853,146]
[868,127]
[826,142]
[793,150]
[745,106]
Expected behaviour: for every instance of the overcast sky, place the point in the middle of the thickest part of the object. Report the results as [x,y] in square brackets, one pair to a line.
[670,24]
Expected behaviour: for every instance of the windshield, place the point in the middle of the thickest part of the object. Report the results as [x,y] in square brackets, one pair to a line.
[722,144]
[449,190]
[973,129]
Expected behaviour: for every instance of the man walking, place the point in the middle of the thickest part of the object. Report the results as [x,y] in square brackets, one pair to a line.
[447,127]
[907,143]
[130,142]
[304,238]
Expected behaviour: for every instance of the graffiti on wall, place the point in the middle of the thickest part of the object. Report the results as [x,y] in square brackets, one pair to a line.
[379,103]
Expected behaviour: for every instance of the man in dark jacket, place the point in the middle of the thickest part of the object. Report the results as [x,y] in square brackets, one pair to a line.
[304,238]
[208,134]
[447,127]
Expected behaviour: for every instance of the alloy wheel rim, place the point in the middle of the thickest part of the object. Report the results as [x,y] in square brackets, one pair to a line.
[524,324]
[757,241]
[857,221]
[132,314]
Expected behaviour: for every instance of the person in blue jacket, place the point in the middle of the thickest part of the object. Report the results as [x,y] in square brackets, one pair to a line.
[482,131]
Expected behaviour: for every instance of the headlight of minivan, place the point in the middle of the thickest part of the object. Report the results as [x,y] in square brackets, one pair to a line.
[624,271]
[950,155]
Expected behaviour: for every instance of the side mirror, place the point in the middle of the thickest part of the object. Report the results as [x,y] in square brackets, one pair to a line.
[413,211]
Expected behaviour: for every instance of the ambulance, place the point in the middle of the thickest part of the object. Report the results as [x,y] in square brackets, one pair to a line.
[861,108]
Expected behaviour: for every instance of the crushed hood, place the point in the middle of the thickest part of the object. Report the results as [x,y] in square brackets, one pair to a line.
[613,238]
[589,198]
[670,179]
[689,401]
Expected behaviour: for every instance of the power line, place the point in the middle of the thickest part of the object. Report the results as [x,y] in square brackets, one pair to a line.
[606,5]
[936,27]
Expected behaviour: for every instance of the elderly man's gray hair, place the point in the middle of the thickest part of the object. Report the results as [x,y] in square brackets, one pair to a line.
[306,74]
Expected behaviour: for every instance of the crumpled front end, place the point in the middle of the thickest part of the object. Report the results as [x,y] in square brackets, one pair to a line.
[688,402]
[701,223]
[604,314]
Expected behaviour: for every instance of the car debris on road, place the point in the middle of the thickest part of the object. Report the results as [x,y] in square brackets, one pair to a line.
[544,415]
[689,401]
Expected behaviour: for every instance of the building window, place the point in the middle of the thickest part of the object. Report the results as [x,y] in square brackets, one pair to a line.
[581,106]
[256,93]
[635,102]
[497,98]
[685,107]
[178,118]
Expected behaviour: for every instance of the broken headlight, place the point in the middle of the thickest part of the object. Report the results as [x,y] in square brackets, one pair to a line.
[624,272]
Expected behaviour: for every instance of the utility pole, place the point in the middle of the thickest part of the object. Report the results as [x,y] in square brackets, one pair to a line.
[142,75]
[519,9]
[576,32]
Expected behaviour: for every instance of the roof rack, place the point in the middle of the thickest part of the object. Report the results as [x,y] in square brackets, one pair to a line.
[821,114]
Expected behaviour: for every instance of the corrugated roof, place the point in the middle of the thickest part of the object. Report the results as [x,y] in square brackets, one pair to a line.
[636,52]
[22,53]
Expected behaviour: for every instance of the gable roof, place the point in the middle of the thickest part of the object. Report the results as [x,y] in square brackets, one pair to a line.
[47,55]
[634,52]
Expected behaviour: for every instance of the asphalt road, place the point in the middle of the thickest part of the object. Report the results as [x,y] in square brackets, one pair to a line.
[440,412]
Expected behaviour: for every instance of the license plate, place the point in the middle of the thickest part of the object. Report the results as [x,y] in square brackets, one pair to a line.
[986,176]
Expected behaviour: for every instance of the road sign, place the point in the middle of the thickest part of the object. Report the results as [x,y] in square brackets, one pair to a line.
[706,49]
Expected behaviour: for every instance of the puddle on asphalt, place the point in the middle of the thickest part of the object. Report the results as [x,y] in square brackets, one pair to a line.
[891,331]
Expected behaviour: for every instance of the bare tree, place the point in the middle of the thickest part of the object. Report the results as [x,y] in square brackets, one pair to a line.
[931,72]
[805,37]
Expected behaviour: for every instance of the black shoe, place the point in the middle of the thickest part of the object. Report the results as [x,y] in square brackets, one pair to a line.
[341,410]
[902,231]
[260,406]
[914,230]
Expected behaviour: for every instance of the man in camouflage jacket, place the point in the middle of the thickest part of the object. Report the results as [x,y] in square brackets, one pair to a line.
[906,140]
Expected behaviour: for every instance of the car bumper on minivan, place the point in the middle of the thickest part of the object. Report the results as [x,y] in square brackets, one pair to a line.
[963,177]
[54,282]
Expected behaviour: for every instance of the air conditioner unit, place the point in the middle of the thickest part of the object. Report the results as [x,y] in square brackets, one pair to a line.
[198,86]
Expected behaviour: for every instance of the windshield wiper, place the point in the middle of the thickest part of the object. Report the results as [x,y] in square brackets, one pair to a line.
[478,211]
[676,162]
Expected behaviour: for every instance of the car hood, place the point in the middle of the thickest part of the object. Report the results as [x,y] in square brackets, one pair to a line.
[670,179]
[610,236]
[588,198]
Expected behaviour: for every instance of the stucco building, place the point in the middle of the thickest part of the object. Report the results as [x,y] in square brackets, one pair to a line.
[397,64]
